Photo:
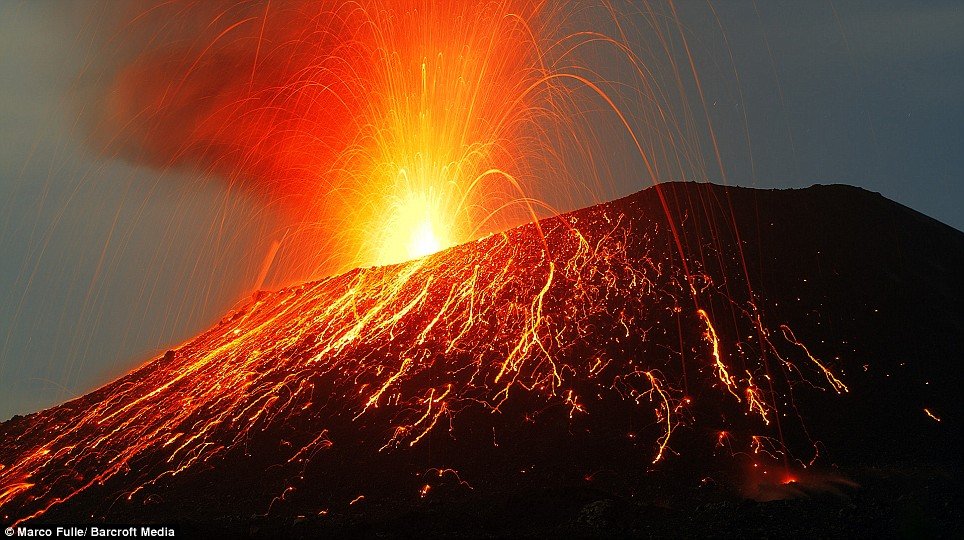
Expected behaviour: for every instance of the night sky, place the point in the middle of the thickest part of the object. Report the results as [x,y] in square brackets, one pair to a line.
[106,262]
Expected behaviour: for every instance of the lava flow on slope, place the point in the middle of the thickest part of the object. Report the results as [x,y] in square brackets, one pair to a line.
[595,346]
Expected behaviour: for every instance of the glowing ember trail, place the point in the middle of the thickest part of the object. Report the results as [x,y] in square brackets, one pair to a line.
[408,350]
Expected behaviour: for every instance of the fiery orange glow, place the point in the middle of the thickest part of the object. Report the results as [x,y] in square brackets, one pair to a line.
[450,85]
[380,132]
[413,231]
[383,131]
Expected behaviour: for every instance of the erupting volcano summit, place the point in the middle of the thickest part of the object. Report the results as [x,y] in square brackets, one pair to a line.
[689,337]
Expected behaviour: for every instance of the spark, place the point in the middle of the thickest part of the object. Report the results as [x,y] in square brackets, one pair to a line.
[836,383]
[721,371]
[755,398]
[662,412]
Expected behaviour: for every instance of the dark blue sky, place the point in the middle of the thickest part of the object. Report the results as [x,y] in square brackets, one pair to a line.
[105,263]
[871,95]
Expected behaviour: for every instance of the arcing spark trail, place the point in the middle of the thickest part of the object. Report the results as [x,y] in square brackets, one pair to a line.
[579,312]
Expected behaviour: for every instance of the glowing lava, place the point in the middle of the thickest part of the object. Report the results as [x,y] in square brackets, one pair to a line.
[414,228]
[423,240]
[588,312]
[450,90]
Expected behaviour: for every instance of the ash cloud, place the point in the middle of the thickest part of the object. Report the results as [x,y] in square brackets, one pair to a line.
[255,93]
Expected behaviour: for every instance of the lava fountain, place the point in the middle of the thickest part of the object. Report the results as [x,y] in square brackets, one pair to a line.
[385,131]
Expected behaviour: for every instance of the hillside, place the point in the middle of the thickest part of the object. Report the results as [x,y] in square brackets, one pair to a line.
[638,366]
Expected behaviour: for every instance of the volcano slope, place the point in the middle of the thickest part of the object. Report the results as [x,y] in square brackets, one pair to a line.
[647,366]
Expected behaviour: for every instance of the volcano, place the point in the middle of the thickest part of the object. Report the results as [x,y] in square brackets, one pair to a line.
[692,359]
